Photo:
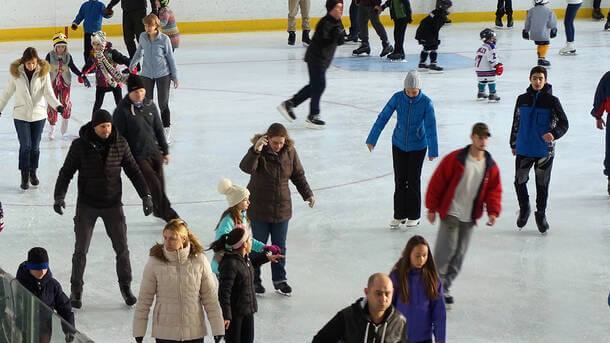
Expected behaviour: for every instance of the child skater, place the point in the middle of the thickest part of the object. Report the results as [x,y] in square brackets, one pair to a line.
[427,36]
[487,66]
[541,26]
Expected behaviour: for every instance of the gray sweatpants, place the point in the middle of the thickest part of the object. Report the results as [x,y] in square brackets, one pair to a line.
[450,248]
[366,13]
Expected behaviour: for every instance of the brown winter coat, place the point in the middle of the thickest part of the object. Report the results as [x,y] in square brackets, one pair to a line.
[183,287]
[269,175]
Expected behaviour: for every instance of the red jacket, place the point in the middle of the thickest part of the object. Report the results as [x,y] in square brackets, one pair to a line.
[447,176]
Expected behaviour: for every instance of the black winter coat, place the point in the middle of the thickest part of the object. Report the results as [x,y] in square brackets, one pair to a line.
[99,180]
[48,290]
[131,5]
[428,29]
[236,284]
[329,34]
[141,128]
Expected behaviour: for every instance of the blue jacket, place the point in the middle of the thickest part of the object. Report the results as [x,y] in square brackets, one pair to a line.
[92,11]
[424,316]
[225,226]
[158,57]
[537,113]
[415,127]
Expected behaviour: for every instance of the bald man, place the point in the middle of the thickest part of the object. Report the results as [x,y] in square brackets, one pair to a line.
[372,319]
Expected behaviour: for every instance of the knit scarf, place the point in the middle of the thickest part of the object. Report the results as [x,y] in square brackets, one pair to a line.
[112,76]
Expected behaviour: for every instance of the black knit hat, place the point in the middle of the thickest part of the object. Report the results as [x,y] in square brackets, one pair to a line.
[134,82]
[100,116]
[330,4]
[37,259]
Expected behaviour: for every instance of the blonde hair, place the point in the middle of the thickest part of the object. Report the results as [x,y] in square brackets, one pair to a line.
[179,227]
[152,19]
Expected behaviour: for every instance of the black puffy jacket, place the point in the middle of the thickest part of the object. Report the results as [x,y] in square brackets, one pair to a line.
[329,34]
[99,180]
[428,29]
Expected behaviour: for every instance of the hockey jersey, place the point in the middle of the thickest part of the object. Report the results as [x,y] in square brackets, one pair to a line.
[485,62]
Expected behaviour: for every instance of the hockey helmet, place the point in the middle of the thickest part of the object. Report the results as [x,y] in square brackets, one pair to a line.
[488,35]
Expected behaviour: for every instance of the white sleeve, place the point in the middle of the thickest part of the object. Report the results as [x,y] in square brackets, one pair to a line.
[8,92]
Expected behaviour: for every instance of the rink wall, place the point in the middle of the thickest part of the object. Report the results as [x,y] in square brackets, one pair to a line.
[39,19]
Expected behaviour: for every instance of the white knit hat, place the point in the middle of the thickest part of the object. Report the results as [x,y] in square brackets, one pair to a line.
[413,80]
[234,193]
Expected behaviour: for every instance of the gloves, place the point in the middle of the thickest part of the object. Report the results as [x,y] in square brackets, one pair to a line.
[85,81]
[273,249]
[311,201]
[218,339]
[139,339]
[60,109]
[69,338]
[499,69]
[553,33]
[525,34]
[59,204]
[260,143]
[108,12]
[74,27]
[147,205]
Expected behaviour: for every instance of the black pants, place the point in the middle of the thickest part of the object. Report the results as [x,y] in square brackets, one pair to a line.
[100,93]
[84,222]
[400,27]
[504,7]
[163,86]
[132,27]
[314,90]
[542,169]
[152,169]
[597,4]
[241,330]
[407,183]
[200,340]
[429,49]
[353,19]
[366,13]
[87,46]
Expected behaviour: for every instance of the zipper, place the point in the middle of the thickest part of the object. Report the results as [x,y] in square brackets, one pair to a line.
[408,123]
[178,274]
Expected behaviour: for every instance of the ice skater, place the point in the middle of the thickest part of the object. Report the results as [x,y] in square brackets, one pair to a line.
[601,104]
[400,12]
[568,23]
[427,36]
[293,10]
[369,10]
[329,33]
[540,27]
[488,66]
[505,7]
[465,183]
[415,132]
[92,12]
[538,122]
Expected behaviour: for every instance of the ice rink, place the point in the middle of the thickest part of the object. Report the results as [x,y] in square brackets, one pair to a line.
[514,286]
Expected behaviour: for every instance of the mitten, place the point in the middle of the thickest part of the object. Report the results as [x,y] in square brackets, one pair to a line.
[273,249]
[499,69]
[74,27]
[60,109]
[554,33]
[59,204]
[147,205]
[525,34]
[85,81]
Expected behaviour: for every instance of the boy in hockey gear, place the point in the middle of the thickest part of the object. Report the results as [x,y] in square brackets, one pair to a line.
[601,104]
[400,12]
[488,66]
[504,7]
[92,12]
[61,63]
[293,9]
[568,23]
[538,121]
[105,60]
[427,36]
[168,22]
[369,10]
[329,33]
[541,26]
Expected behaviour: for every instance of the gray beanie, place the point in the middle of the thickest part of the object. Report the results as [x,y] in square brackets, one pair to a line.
[413,80]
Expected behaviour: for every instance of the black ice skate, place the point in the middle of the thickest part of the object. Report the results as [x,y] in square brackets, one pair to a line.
[259,288]
[543,225]
[524,214]
[292,37]
[482,96]
[283,288]
[544,63]
[435,68]
[422,68]
[305,39]
[33,178]
[448,299]
[363,49]
[397,57]
[597,14]
[387,49]
[493,97]
[607,190]
[286,108]
[509,21]
[499,23]
[314,122]
[607,26]
[25,178]
[351,38]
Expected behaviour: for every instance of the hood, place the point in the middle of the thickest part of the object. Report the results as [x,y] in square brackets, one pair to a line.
[16,68]
[87,133]
[28,280]
[360,308]
[548,88]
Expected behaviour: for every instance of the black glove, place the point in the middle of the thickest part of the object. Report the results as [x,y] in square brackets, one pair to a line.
[553,33]
[86,82]
[59,204]
[60,109]
[74,27]
[218,339]
[525,34]
[69,338]
[147,205]
[139,339]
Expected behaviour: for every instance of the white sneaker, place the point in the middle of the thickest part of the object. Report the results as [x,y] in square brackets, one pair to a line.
[412,222]
[51,132]
[395,223]
[168,135]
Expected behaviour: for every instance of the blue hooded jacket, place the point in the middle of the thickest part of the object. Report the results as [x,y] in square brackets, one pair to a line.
[415,126]
[92,11]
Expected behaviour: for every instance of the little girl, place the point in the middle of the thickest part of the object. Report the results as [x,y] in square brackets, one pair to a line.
[236,284]
[61,63]
[168,22]
[418,294]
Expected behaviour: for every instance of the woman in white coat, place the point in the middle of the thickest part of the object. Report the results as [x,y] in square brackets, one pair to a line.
[568,23]
[180,280]
[30,82]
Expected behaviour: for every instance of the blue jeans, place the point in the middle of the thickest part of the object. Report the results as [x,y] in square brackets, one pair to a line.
[568,21]
[278,232]
[29,134]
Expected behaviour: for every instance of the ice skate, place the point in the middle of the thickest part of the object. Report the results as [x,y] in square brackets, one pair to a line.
[544,63]
[493,97]
[568,50]
[387,49]
[397,57]
[482,96]
[292,37]
[64,127]
[259,289]
[499,23]
[363,49]
[412,222]
[76,299]
[305,38]
[283,288]
[423,68]
[597,14]
[286,108]
[34,178]
[509,21]
[395,223]
[607,26]
[448,300]
[524,214]
[436,69]
[543,225]
[314,122]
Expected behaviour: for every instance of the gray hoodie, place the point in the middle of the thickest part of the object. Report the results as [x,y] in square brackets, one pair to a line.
[158,57]
[539,23]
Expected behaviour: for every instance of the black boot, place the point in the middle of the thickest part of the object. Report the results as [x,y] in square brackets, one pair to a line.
[129,298]
[524,214]
[364,48]
[259,288]
[25,179]
[387,49]
[509,21]
[499,21]
[33,178]
[305,39]
[76,299]
[543,225]
[292,37]
[597,14]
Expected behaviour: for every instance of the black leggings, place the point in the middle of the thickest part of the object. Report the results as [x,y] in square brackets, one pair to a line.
[407,182]
[100,93]
[400,27]
[241,330]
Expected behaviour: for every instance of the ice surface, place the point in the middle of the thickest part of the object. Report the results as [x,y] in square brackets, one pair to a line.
[514,286]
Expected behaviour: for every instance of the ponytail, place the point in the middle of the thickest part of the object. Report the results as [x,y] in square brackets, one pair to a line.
[219,244]
[194,241]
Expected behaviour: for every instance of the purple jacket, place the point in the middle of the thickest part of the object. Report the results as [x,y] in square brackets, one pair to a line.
[424,316]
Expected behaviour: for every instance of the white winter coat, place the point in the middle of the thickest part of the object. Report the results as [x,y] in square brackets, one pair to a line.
[183,287]
[30,97]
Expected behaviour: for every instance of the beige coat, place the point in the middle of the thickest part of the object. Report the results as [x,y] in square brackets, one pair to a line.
[30,97]
[184,287]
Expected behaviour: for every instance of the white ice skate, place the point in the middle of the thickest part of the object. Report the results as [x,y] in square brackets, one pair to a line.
[412,222]
[395,223]
[568,50]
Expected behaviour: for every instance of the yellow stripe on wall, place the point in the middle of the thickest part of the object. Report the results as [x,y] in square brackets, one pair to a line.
[41,33]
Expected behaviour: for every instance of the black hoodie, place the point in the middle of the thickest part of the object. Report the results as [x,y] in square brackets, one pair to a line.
[354,325]
[99,177]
